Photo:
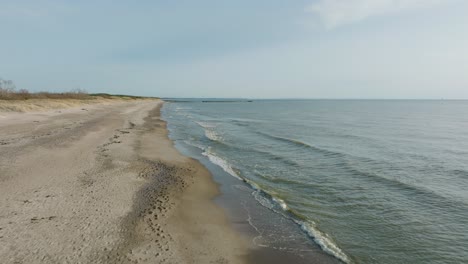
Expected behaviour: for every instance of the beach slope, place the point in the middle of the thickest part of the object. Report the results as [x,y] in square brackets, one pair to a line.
[104,184]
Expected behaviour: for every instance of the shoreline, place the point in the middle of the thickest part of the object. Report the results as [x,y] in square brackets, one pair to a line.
[197,229]
[106,185]
[274,235]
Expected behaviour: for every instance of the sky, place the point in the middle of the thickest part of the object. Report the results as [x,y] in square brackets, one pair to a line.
[390,49]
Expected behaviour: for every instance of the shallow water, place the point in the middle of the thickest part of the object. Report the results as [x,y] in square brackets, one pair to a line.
[368,181]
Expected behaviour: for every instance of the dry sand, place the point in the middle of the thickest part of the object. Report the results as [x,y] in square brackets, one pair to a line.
[104,184]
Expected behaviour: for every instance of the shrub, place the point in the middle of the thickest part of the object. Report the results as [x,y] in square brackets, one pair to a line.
[8,92]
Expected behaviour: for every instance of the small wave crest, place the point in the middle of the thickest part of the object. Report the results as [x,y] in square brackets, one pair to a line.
[278,205]
[193,144]
[323,240]
[302,144]
[221,163]
[281,203]
[182,108]
[210,133]
[266,199]
[205,124]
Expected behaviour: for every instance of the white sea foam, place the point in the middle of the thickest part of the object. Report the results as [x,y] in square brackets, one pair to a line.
[282,203]
[212,135]
[263,200]
[323,240]
[253,185]
[205,124]
[209,130]
[269,201]
[221,163]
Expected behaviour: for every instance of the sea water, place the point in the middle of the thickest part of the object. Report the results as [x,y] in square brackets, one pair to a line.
[367,181]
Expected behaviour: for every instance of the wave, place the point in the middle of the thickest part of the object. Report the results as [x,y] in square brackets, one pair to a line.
[205,124]
[302,144]
[278,205]
[227,167]
[463,174]
[323,240]
[272,156]
[212,135]
[193,144]
[283,180]
[412,191]
[282,203]
[215,159]
[209,131]
[221,163]
[244,122]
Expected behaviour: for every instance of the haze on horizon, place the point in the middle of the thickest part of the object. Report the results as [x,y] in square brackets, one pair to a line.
[248,49]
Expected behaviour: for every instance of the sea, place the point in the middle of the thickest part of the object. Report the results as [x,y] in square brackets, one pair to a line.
[352,181]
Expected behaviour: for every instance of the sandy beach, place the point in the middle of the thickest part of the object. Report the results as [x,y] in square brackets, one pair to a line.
[102,183]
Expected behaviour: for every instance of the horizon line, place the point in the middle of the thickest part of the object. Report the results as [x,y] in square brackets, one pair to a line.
[295,98]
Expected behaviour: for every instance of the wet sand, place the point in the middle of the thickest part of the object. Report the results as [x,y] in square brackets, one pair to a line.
[104,184]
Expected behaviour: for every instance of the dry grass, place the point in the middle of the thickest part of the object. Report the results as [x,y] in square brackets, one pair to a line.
[23,94]
[12,100]
[33,105]
[42,104]
[20,102]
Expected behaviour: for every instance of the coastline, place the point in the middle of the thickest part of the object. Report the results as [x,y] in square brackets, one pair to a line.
[106,185]
[275,236]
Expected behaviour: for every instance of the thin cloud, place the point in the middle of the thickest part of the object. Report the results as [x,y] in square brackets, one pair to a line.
[335,13]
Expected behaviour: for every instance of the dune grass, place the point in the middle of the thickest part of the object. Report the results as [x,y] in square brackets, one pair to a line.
[24,101]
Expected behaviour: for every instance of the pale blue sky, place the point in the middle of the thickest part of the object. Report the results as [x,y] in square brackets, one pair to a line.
[242,48]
